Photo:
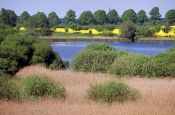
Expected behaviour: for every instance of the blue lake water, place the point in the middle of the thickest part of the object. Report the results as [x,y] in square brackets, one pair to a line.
[67,50]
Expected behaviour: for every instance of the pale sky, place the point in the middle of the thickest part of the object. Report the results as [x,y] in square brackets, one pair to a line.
[62,6]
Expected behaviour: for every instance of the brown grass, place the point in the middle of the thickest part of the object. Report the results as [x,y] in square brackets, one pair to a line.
[158,96]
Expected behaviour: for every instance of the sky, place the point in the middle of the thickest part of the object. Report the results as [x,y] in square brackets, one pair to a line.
[62,6]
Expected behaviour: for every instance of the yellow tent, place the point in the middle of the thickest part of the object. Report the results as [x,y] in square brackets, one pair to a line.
[22,29]
[60,30]
[161,33]
[116,32]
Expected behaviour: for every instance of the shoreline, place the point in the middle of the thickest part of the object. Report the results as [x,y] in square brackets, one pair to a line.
[103,39]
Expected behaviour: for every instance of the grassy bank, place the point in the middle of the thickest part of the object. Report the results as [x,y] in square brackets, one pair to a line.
[104,38]
[157,96]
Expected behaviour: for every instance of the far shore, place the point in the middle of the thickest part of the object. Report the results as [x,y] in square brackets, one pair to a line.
[103,38]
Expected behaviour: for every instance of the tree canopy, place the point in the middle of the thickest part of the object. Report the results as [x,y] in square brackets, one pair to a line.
[8,17]
[155,15]
[70,16]
[113,17]
[128,30]
[86,18]
[23,18]
[53,19]
[129,15]
[141,17]
[170,16]
[100,17]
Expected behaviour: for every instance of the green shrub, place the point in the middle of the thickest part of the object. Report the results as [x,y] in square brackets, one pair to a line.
[8,90]
[100,47]
[138,63]
[111,91]
[123,66]
[95,58]
[57,64]
[161,65]
[144,31]
[17,51]
[40,86]
[44,32]
[128,30]
[128,65]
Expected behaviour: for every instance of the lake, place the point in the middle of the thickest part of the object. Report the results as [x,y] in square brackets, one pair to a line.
[67,50]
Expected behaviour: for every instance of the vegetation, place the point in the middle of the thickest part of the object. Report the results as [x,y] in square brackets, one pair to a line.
[129,65]
[70,16]
[155,15]
[42,25]
[128,29]
[141,17]
[112,91]
[53,20]
[40,86]
[129,15]
[8,90]
[100,17]
[17,51]
[161,65]
[113,17]
[95,58]
[169,16]
[86,18]
[144,31]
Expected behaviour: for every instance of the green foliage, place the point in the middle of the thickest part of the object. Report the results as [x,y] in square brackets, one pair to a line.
[23,18]
[166,29]
[74,26]
[170,16]
[40,86]
[112,91]
[86,18]
[108,28]
[17,51]
[58,64]
[99,28]
[44,32]
[8,17]
[128,30]
[141,17]
[100,17]
[144,31]
[95,58]
[113,17]
[129,15]
[161,65]
[53,20]
[123,66]
[70,16]
[6,30]
[154,15]
[38,20]
[8,90]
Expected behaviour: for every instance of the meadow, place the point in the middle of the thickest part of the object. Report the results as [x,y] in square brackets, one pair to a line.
[157,96]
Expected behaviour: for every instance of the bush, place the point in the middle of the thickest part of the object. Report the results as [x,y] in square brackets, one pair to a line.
[161,65]
[8,90]
[123,66]
[144,31]
[44,32]
[17,51]
[95,58]
[111,91]
[128,30]
[40,86]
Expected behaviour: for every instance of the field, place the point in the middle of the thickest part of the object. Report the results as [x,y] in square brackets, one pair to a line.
[157,96]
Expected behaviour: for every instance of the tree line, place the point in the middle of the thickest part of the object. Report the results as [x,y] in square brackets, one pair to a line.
[86,18]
